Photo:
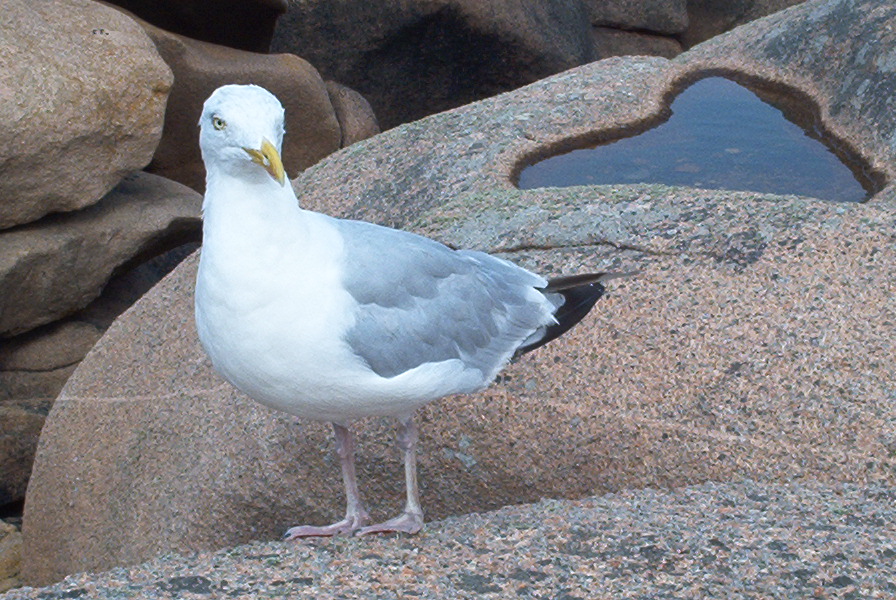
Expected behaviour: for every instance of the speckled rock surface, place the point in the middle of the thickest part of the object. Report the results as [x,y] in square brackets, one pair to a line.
[10,556]
[59,264]
[66,138]
[756,340]
[417,57]
[708,18]
[354,113]
[614,42]
[733,541]
[20,425]
[669,17]
[37,363]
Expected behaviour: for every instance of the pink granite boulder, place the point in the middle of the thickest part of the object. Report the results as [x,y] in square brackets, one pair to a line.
[755,342]
[83,95]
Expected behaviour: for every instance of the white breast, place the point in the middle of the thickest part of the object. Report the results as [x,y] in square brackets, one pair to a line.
[271,313]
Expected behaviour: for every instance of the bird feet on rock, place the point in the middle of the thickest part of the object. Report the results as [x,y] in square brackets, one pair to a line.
[344,527]
[406,522]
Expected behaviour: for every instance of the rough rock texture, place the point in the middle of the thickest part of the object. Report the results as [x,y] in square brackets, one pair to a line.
[312,129]
[61,345]
[33,368]
[734,541]
[410,59]
[797,46]
[709,18]
[59,264]
[234,23]
[82,96]
[355,115]
[668,17]
[35,365]
[756,340]
[610,42]
[10,556]
[20,427]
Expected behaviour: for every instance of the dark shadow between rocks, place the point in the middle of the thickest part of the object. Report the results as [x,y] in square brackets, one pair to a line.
[441,61]
[133,279]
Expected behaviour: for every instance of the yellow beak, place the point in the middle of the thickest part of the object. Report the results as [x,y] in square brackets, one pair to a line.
[269,158]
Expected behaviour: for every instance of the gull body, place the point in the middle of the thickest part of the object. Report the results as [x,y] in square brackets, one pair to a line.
[336,320]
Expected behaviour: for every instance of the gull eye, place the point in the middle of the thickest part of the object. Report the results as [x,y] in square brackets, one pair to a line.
[218,123]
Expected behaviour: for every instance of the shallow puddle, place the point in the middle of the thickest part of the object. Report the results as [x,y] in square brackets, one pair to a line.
[721,135]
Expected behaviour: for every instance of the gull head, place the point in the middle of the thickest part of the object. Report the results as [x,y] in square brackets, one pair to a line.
[240,133]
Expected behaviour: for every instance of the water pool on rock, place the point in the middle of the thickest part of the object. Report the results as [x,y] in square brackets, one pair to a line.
[720,135]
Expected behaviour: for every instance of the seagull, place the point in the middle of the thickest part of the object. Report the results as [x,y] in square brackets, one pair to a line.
[337,320]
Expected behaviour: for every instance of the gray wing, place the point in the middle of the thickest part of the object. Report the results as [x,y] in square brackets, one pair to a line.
[420,301]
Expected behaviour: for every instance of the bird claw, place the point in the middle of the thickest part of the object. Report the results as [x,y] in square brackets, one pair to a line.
[406,522]
[344,527]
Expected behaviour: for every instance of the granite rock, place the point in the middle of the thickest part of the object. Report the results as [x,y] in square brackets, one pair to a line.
[20,427]
[10,556]
[33,368]
[735,540]
[83,97]
[755,340]
[234,23]
[654,16]
[709,18]
[609,41]
[410,59]
[60,264]
[355,115]
[36,364]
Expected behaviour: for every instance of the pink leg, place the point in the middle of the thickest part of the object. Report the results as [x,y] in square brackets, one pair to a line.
[355,515]
[411,520]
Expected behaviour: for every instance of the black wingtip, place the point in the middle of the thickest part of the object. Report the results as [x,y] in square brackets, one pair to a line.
[580,294]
